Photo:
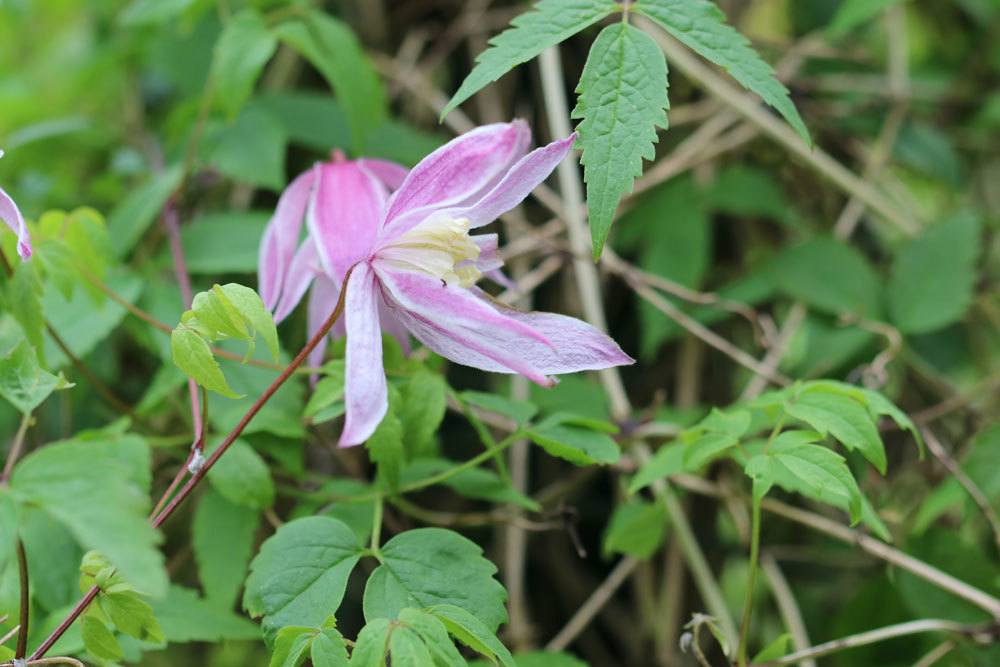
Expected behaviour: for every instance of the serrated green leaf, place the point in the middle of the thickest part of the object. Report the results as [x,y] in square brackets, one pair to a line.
[407,649]
[713,436]
[242,477]
[328,649]
[548,23]
[98,639]
[249,304]
[829,275]
[23,383]
[332,48]
[622,100]
[22,296]
[132,616]
[429,566]
[520,411]
[830,411]
[435,637]
[668,460]
[580,446]
[185,617]
[424,402]
[89,490]
[241,52]
[291,646]
[636,528]
[539,659]
[701,25]
[471,483]
[471,631]
[300,574]
[809,469]
[222,536]
[193,355]
[933,277]
[372,644]
[249,150]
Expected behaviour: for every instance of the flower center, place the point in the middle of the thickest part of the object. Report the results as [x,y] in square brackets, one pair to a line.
[441,247]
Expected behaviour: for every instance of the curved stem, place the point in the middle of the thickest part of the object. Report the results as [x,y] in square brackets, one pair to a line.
[22,631]
[751,579]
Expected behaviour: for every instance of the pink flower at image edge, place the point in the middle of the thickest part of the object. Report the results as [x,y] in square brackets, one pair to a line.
[11,214]
[415,265]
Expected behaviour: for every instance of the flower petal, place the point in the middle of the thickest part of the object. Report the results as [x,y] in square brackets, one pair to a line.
[304,268]
[455,174]
[529,172]
[446,305]
[344,215]
[489,252]
[277,247]
[390,173]
[11,214]
[365,391]
[322,300]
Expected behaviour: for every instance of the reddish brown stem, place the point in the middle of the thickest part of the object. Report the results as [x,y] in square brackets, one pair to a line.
[197,476]
[22,631]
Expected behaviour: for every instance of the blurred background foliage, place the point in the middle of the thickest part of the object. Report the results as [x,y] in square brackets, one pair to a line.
[98,104]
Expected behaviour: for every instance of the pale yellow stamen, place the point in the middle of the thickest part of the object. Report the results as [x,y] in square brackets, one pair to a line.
[441,247]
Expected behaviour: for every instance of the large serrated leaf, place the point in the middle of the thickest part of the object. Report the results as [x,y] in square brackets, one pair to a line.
[933,277]
[429,566]
[701,25]
[549,22]
[623,99]
[300,574]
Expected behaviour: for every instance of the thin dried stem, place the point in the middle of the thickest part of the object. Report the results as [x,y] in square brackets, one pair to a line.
[589,609]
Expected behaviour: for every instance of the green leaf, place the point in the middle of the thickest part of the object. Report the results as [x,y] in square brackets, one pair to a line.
[853,13]
[133,215]
[222,536]
[812,470]
[713,436]
[250,150]
[776,649]
[830,411]
[636,528]
[23,382]
[132,616]
[300,574]
[472,483]
[185,617]
[291,646]
[539,659]
[422,408]
[933,277]
[579,446]
[548,23]
[471,631]
[385,446]
[223,242]
[701,25]
[243,49]
[22,298]
[242,477]
[98,639]
[328,649]
[830,276]
[520,411]
[10,521]
[429,566]
[89,490]
[372,644]
[333,49]
[249,304]
[434,635]
[407,649]
[622,100]
[143,12]
[668,460]
[193,355]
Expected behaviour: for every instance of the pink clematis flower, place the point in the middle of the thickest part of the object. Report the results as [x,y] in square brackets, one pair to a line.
[415,265]
[12,216]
